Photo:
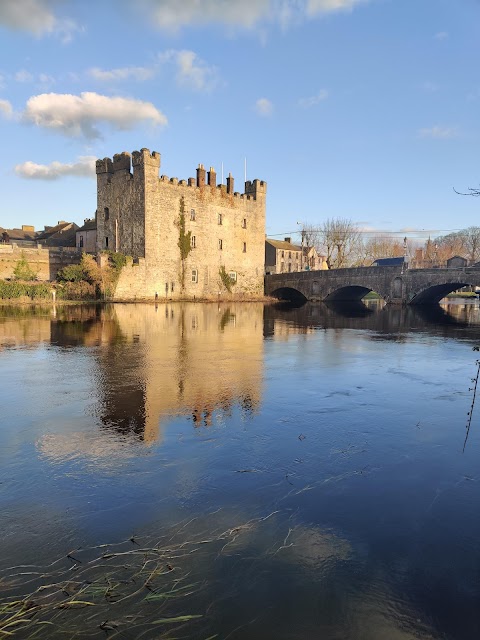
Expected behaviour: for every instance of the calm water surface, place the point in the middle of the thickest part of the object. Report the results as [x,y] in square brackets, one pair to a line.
[281,473]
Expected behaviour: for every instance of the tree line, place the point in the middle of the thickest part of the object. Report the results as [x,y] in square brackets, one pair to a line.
[345,244]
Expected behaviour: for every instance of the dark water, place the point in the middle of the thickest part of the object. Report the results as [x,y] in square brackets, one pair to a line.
[283,473]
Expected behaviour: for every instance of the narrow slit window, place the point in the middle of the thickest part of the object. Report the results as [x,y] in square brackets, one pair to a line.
[193,242]
[220,218]
[244,247]
[192,214]
[220,244]
[107,213]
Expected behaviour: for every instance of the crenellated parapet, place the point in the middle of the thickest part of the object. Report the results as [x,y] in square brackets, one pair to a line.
[104,166]
[255,188]
[144,157]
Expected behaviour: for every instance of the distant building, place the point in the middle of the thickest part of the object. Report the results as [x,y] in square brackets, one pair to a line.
[389,262]
[456,262]
[281,256]
[86,236]
[61,235]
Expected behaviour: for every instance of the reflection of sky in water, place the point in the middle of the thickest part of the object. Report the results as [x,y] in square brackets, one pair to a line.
[332,457]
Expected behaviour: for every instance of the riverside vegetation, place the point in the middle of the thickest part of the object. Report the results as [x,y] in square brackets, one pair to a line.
[84,281]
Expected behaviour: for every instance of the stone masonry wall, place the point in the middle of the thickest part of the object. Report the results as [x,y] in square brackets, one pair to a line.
[144,212]
[45,261]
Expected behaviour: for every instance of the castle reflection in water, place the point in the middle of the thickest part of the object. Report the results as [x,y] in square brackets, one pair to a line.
[150,363]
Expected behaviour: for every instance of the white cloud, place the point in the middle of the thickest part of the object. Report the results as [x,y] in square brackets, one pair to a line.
[264,107]
[23,76]
[191,70]
[171,15]
[124,73]
[73,115]
[439,133]
[314,7]
[35,16]
[306,103]
[6,108]
[441,35]
[84,167]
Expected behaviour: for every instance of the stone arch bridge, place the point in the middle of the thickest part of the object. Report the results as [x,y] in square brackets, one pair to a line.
[395,285]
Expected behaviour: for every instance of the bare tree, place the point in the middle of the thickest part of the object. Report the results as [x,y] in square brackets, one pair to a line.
[381,247]
[339,239]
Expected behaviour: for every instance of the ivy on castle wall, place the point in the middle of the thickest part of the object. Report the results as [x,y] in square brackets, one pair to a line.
[225,279]
[184,242]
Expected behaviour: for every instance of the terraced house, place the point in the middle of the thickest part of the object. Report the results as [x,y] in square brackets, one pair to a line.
[187,238]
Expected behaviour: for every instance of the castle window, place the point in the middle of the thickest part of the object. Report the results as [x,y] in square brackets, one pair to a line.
[244,247]
[106,242]
[244,223]
[220,244]
[220,218]
[194,275]
[232,275]
[107,213]
[80,244]
[193,242]
[192,214]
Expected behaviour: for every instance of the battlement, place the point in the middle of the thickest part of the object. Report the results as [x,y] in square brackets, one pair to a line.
[145,157]
[254,187]
[127,162]
[122,161]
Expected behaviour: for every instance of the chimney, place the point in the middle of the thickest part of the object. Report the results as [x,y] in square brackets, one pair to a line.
[230,183]
[201,176]
[212,178]
[288,240]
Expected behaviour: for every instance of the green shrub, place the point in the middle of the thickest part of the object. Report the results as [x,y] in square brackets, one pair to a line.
[23,271]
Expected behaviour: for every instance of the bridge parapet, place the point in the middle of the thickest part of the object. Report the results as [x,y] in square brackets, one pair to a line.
[394,284]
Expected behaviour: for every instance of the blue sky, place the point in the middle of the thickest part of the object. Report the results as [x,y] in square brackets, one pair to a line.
[362,109]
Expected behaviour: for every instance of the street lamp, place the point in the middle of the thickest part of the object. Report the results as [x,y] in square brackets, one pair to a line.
[303,242]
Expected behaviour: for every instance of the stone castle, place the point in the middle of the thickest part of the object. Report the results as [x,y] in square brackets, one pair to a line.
[188,238]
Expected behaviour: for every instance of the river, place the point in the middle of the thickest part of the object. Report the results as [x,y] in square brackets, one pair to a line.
[239,471]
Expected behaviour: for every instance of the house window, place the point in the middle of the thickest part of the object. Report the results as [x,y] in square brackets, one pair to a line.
[193,242]
[172,285]
[80,244]
[289,254]
[289,267]
[106,242]
[282,265]
[283,254]
[220,218]
[107,213]
[232,275]
[244,247]
[220,244]
[192,214]
[194,275]
[244,223]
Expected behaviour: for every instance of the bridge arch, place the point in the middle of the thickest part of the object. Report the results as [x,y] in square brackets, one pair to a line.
[434,293]
[290,294]
[351,293]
